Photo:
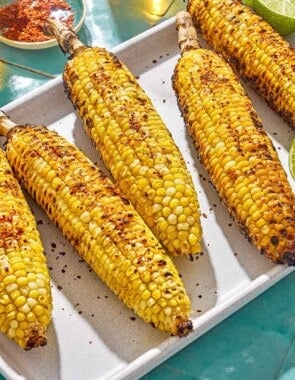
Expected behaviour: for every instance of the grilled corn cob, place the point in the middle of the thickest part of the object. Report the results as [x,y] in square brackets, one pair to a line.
[234,148]
[101,225]
[134,143]
[25,294]
[257,52]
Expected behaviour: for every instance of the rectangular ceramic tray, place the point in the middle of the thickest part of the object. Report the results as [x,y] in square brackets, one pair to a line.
[93,335]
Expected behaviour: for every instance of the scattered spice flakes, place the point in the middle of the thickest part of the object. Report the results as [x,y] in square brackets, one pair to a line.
[23,20]
[59,287]
[39,222]
[132,318]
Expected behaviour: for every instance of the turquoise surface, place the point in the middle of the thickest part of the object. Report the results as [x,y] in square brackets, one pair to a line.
[256,342]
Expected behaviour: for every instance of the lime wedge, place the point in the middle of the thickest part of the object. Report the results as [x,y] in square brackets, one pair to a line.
[278,13]
[292,159]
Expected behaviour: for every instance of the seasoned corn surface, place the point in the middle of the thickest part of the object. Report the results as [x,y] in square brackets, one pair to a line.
[252,47]
[25,294]
[101,225]
[236,152]
[136,146]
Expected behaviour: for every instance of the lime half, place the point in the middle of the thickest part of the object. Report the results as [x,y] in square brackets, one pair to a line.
[292,159]
[278,13]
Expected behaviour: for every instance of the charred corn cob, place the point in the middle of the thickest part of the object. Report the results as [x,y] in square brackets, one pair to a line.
[25,294]
[234,148]
[257,52]
[101,224]
[134,143]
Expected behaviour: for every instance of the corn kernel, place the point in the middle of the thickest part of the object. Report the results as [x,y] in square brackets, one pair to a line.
[10,279]
[156,294]
[85,217]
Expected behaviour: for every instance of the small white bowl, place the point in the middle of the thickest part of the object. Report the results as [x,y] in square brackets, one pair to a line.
[79,10]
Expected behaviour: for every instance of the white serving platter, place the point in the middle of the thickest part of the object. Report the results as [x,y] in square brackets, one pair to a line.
[93,335]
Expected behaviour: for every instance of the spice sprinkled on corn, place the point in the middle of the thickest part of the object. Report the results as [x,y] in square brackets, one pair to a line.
[134,143]
[258,53]
[25,294]
[236,151]
[102,226]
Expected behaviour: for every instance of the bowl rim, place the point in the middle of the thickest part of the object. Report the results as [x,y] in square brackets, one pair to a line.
[45,44]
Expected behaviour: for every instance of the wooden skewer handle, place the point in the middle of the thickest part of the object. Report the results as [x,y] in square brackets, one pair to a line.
[187,35]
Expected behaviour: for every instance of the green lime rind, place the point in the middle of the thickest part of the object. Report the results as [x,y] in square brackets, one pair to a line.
[291,160]
[279,14]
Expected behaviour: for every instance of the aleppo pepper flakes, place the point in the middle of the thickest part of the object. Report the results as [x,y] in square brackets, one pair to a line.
[23,20]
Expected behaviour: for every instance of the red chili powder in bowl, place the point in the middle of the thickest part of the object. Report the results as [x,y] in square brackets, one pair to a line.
[23,20]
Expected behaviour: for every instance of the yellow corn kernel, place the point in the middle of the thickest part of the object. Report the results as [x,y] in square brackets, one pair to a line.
[258,53]
[132,139]
[21,258]
[103,227]
[260,198]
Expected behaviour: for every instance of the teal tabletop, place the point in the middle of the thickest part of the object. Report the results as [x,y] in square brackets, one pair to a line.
[255,342]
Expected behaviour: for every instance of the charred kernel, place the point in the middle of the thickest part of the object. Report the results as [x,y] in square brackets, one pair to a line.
[274,240]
